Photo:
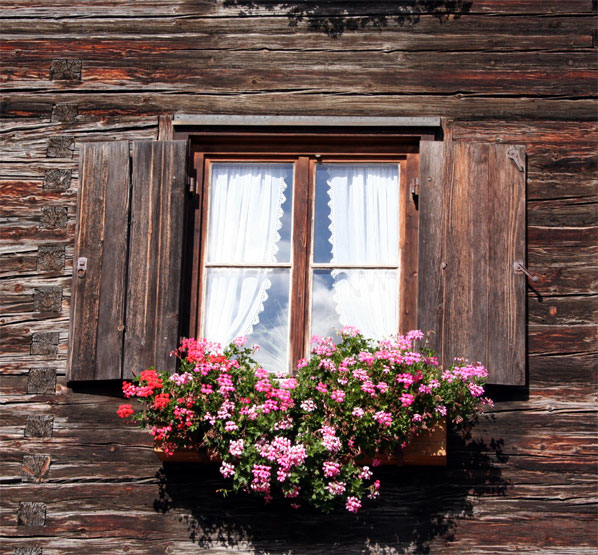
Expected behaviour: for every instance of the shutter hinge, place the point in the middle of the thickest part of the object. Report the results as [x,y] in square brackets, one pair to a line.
[191,183]
[415,188]
[515,155]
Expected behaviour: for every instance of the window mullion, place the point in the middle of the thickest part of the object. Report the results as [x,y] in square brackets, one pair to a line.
[408,243]
[247,265]
[301,242]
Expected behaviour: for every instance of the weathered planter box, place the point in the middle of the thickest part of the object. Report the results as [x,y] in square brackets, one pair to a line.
[428,449]
[186,456]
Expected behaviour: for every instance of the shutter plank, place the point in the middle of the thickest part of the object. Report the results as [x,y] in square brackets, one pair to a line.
[466,240]
[506,327]
[157,213]
[97,303]
[431,213]
[472,221]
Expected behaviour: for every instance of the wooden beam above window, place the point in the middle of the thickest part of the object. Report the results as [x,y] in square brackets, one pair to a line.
[307,121]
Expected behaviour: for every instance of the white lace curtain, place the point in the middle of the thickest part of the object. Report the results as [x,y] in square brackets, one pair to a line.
[244,219]
[364,231]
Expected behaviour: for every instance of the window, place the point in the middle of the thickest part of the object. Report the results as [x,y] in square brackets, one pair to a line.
[144,272]
[301,242]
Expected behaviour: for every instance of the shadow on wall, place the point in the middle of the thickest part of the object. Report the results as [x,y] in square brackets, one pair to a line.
[418,507]
[334,17]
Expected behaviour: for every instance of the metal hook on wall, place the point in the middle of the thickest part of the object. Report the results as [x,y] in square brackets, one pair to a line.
[521,269]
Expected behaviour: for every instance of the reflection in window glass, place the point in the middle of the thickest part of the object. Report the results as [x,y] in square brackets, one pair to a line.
[356,227]
[356,217]
[253,303]
[250,213]
[249,224]
[366,299]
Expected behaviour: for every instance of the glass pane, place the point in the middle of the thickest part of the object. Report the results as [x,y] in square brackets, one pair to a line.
[250,213]
[365,299]
[325,320]
[253,303]
[356,217]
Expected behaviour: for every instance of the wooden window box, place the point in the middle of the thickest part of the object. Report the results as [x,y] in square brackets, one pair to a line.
[428,449]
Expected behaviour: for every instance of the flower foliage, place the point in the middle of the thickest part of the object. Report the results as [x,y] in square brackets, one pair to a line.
[308,438]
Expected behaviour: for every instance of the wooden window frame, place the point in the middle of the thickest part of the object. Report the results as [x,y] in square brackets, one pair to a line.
[304,150]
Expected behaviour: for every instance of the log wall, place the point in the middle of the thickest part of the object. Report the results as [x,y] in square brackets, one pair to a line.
[75,479]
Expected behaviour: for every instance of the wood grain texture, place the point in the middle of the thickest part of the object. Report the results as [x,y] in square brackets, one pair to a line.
[506,290]
[155,257]
[466,242]
[472,230]
[509,32]
[408,237]
[98,298]
[302,232]
[32,514]
[430,288]
[36,468]
[42,381]
[156,64]
[206,8]
[503,71]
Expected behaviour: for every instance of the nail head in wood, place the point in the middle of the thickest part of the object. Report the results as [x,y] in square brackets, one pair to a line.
[31,514]
[39,426]
[54,217]
[65,113]
[36,468]
[50,259]
[57,180]
[45,343]
[60,147]
[41,381]
[47,299]
[66,69]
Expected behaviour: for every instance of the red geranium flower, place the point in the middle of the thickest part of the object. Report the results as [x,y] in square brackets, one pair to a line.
[124,411]
[161,400]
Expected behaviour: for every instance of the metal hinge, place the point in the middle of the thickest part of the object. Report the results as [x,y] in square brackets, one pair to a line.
[415,188]
[191,183]
[515,155]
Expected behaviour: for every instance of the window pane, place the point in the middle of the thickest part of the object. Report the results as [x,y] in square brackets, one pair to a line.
[365,299]
[325,320]
[253,303]
[357,214]
[250,213]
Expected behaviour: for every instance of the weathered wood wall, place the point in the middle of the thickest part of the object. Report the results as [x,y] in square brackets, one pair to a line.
[518,71]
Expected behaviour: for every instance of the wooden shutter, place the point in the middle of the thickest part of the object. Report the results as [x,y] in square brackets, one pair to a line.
[101,237]
[155,259]
[471,233]
[124,309]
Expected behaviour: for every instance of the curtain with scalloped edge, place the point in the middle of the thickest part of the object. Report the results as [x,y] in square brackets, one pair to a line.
[244,221]
[364,231]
